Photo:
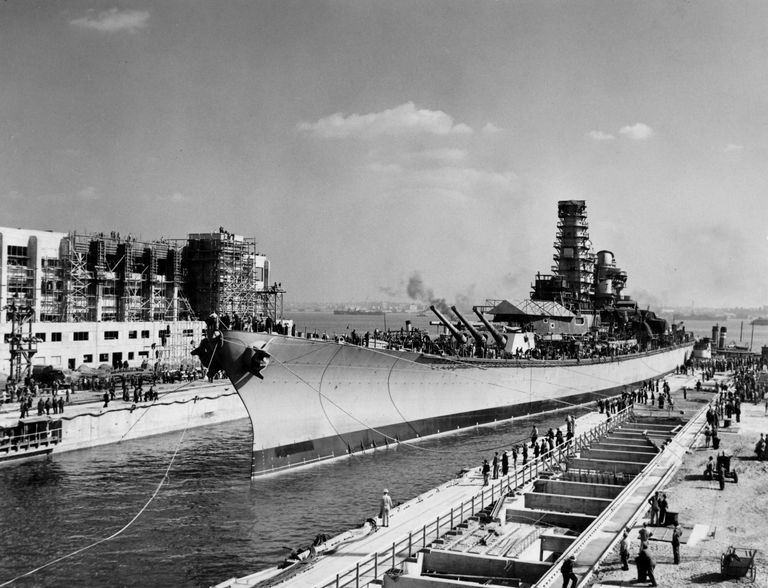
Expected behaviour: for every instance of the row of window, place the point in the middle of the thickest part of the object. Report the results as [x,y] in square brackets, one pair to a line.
[108,335]
[104,357]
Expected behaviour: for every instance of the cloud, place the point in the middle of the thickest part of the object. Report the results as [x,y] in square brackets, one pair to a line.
[88,193]
[638,131]
[600,136]
[113,20]
[491,129]
[445,155]
[732,147]
[402,120]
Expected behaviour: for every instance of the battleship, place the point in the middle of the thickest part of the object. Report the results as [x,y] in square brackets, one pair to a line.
[577,339]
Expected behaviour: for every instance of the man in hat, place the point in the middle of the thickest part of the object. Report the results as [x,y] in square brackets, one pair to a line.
[569,578]
[384,507]
[676,533]
[624,550]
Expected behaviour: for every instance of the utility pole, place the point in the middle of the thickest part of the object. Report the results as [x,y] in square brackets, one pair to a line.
[22,347]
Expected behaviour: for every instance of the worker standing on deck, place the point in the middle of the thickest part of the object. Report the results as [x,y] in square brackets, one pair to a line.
[496,465]
[504,464]
[486,472]
[385,507]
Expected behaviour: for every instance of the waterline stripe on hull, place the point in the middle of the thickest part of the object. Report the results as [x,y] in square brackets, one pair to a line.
[278,459]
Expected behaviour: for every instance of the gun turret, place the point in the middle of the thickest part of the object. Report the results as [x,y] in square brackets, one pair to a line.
[479,337]
[501,340]
[454,331]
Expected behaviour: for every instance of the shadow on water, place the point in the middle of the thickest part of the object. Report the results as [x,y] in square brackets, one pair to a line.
[209,521]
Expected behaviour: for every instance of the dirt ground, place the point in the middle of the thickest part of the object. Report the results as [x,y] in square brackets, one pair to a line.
[736,516]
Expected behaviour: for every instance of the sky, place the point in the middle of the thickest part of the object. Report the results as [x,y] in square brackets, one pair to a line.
[368,143]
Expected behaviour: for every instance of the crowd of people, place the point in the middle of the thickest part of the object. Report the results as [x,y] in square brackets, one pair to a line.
[522,452]
[566,347]
[133,386]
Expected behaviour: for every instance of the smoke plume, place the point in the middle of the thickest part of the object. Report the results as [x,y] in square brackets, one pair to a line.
[417,291]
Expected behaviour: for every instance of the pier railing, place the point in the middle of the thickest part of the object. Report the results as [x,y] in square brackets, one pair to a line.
[376,564]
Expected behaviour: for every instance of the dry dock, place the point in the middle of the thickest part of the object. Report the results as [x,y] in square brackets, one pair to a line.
[516,531]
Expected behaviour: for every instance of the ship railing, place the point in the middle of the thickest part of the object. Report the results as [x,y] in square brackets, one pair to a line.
[375,565]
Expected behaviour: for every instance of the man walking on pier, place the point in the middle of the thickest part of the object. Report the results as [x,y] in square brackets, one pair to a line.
[569,578]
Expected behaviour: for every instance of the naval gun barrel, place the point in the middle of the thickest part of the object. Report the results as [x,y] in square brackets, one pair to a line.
[454,331]
[475,333]
[501,340]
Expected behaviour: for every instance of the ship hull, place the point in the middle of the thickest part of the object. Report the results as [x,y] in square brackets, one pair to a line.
[319,399]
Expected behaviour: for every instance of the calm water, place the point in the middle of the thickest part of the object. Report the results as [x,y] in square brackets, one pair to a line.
[210,521]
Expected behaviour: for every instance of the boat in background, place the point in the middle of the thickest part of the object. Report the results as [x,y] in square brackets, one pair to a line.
[578,339]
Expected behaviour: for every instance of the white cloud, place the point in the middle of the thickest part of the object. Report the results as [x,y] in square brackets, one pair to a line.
[731,147]
[113,20]
[446,155]
[490,129]
[88,193]
[600,136]
[405,119]
[638,131]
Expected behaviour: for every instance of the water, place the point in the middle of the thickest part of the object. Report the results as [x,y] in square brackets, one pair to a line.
[210,521]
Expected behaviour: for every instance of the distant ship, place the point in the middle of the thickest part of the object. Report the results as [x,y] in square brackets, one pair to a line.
[576,340]
[361,311]
[759,322]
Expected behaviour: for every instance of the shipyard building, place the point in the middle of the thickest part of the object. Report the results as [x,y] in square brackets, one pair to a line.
[91,299]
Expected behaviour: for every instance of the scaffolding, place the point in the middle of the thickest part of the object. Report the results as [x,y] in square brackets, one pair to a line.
[226,275]
[77,282]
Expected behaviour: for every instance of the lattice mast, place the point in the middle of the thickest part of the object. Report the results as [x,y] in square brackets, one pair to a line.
[574,258]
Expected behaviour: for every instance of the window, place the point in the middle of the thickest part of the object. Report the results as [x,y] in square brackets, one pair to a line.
[56,337]
[80,336]
[87,358]
[132,334]
[17,255]
[40,337]
[110,335]
[143,353]
[103,357]
[130,355]
[188,333]
[145,334]
[56,360]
